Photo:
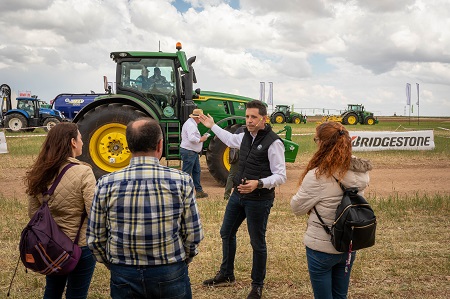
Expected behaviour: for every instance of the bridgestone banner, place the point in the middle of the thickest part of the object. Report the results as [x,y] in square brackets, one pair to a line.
[380,141]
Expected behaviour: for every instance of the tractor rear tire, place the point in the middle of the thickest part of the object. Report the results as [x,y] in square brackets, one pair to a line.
[16,122]
[296,120]
[102,129]
[350,119]
[50,123]
[278,118]
[217,157]
[369,120]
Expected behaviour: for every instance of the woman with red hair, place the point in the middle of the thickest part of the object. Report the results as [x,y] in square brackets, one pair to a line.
[331,164]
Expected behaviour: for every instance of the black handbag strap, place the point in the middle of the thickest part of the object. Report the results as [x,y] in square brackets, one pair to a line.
[322,223]
[325,227]
[50,192]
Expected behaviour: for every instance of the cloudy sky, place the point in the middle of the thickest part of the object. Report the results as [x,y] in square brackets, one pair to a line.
[319,54]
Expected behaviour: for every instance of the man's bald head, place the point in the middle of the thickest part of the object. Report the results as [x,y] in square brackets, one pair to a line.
[143,135]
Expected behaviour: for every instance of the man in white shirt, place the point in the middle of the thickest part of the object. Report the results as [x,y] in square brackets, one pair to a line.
[191,146]
[261,168]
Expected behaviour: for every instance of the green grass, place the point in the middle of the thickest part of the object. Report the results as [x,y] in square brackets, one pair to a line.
[409,260]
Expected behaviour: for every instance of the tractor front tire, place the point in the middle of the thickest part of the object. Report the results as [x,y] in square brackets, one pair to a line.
[296,120]
[102,129]
[217,157]
[278,118]
[350,119]
[16,122]
[50,123]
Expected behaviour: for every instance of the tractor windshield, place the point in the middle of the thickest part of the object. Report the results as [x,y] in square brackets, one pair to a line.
[154,77]
[356,108]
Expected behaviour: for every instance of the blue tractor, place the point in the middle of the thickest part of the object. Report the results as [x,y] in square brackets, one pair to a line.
[29,114]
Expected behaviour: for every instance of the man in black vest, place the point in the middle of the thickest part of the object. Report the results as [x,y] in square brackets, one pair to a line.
[261,169]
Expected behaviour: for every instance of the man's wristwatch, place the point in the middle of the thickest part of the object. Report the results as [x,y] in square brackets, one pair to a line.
[260,184]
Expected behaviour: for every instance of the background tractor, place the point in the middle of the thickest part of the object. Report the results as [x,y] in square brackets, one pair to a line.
[356,114]
[102,123]
[29,113]
[282,114]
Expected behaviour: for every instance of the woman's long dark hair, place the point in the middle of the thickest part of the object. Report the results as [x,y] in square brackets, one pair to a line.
[334,153]
[53,155]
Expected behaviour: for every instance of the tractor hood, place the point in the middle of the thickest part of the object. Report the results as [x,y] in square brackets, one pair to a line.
[204,94]
[51,112]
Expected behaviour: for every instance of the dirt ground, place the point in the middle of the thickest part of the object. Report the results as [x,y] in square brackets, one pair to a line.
[387,179]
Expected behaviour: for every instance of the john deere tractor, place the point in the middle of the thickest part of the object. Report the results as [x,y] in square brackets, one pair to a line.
[282,114]
[169,100]
[356,114]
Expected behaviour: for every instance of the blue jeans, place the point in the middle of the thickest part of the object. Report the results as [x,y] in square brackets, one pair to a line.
[327,273]
[191,165]
[165,281]
[257,214]
[77,281]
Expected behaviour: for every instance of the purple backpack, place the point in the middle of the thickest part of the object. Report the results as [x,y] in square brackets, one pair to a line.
[44,247]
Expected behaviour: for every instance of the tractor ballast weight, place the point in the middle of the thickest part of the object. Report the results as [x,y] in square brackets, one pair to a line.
[169,99]
[283,114]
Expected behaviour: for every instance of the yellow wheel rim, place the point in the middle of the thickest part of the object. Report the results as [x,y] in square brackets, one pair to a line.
[351,120]
[226,158]
[109,148]
[297,121]
[279,119]
[370,121]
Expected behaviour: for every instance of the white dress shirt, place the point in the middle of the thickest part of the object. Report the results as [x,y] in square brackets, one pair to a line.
[190,136]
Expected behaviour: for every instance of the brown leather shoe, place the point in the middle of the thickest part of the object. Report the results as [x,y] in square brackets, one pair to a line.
[201,194]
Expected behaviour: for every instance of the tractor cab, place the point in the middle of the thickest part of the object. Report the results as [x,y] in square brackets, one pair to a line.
[286,110]
[355,108]
[162,81]
[29,105]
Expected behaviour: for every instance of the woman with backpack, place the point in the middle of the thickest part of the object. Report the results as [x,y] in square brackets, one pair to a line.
[331,164]
[72,197]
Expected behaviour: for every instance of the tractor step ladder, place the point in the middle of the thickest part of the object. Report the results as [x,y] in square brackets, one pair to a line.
[172,144]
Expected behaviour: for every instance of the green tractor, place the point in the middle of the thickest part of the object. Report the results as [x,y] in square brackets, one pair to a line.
[282,114]
[356,114]
[168,100]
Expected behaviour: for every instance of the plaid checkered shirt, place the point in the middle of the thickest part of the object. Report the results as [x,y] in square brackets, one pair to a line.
[144,214]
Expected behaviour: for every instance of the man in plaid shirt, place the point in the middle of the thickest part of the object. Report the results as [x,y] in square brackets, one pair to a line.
[144,223]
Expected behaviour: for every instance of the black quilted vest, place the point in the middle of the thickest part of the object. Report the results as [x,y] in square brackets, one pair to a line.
[254,162]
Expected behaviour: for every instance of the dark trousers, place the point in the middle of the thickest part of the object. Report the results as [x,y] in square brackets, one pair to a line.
[257,214]
[77,281]
[191,165]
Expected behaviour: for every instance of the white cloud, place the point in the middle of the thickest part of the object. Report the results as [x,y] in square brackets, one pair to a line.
[324,53]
